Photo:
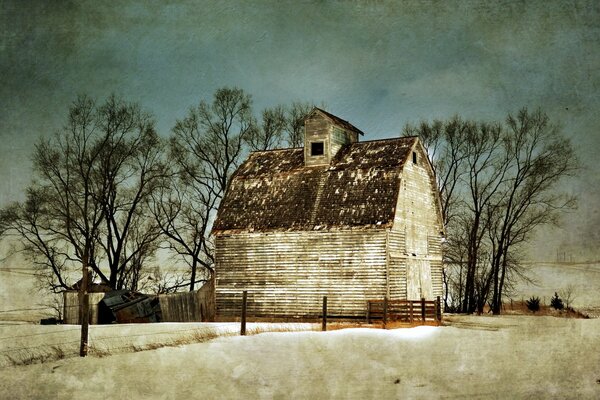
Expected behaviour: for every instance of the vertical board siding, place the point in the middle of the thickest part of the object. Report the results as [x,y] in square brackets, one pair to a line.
[71,307]
[435,257]
[416,235]
[196,306]
[397,268]
[288,273]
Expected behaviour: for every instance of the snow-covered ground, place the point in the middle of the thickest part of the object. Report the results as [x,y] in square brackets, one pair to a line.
[510,357]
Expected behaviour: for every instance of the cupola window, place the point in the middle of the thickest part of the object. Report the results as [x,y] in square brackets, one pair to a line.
[317,149]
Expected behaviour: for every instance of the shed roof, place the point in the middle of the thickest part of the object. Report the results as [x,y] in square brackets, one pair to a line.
[274,191]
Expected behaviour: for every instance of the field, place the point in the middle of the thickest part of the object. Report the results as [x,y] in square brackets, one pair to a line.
[554,277]
[510,357]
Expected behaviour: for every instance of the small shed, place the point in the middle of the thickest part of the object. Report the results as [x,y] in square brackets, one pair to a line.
[124,306]
[354,221]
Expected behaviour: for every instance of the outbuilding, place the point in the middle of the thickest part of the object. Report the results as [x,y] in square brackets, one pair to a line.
[347,219]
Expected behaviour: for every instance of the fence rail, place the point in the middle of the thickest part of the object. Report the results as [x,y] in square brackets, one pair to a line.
[412,311]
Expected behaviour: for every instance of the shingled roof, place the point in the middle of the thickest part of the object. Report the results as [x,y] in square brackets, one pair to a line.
[339,121]
[274,191]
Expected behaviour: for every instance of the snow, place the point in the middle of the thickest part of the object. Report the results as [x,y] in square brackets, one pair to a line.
[473,357]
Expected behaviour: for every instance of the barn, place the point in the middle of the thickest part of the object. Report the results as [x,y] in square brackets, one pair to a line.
[347,219]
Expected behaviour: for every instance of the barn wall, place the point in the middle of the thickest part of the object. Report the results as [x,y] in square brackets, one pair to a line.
[397,267]
[435,259]
[288,273]
[418,229]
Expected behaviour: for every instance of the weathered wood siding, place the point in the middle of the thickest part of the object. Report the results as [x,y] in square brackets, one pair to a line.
[397,265]
[196,306]
[339,138]
[435,259]
[317,129]
[288,273]
[417,227]
[71,307]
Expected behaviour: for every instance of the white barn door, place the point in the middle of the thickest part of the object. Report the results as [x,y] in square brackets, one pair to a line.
[418,279]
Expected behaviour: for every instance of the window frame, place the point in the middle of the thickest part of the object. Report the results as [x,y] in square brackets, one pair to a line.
[312,149]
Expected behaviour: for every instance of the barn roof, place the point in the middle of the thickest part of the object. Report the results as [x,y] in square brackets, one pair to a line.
[274,191]
[338,121]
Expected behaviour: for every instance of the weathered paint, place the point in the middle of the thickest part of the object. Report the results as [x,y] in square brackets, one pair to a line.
[417,222]
[360,223]
[71,307]
[288,273]
[196,306]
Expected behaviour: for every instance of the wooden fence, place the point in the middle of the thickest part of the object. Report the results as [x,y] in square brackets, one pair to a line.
[411,311]
[196,306]
[417,312]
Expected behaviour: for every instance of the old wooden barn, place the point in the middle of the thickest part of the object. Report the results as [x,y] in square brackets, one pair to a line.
[350,220]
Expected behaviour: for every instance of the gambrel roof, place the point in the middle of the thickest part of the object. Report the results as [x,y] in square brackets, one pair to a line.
[274,191]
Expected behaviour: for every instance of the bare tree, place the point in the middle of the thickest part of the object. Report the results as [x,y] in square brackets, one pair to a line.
[132,168]
[486,170]
[206,147]
[295,116]
[497,183]
[93,182]
[568,295]
[539,158]
[269,134]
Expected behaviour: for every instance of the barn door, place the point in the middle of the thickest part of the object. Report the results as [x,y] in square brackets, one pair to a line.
[418,279]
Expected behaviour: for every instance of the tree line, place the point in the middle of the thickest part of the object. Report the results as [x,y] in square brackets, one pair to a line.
[109,192]
[497,182]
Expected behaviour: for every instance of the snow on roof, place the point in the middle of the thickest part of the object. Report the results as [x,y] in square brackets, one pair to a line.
[275,191]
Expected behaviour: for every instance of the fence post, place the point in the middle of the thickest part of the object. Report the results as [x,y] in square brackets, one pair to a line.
[438,304]
[385,310]
[423,309]
[85,325]
[368,312]
[412,311]
[324,324]
[244,301]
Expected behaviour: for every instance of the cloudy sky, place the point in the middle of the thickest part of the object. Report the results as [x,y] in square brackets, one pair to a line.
[377,64]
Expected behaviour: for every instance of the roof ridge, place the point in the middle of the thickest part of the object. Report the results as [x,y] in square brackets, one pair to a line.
[387,139]
[355,143]
[338,120]
[278,149]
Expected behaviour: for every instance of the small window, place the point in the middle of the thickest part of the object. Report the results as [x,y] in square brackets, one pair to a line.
[317,149]
[414,157]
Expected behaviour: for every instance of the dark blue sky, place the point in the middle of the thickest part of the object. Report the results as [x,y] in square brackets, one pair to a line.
[377,64]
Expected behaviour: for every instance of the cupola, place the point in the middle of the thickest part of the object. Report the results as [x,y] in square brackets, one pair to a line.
[324,135]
